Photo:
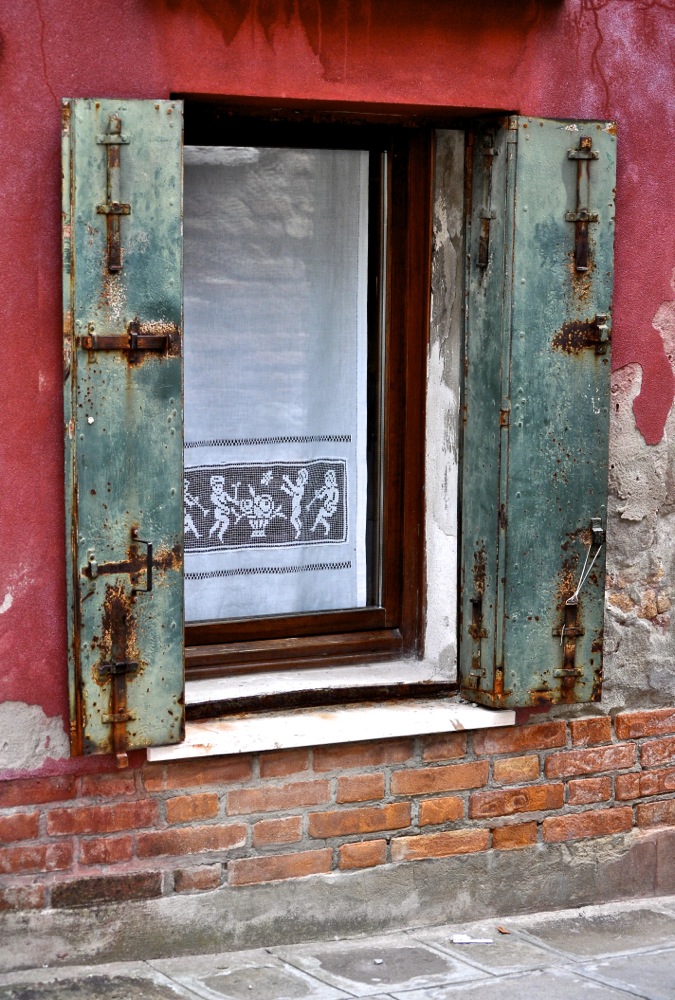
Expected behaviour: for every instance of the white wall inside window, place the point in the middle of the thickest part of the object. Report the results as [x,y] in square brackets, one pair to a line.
[443,400]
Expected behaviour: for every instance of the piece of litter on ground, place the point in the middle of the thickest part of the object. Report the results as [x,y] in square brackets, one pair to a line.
[467,939]
[377,961]
[503,930]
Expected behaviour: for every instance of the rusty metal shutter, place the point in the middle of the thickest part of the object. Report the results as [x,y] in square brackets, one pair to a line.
[536,410]
[122,232]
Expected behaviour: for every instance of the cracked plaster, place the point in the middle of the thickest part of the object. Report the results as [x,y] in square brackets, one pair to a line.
[28,737]
[639,627]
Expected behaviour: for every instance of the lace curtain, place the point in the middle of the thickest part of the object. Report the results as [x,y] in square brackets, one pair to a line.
[276,271]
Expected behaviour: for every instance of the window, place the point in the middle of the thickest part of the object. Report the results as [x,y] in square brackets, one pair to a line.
[538,239]
[305,333]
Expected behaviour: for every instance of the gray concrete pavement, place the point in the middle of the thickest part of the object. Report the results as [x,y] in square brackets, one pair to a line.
[601,952]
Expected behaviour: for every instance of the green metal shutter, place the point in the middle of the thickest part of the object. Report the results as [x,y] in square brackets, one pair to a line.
[122,233]
[536,411]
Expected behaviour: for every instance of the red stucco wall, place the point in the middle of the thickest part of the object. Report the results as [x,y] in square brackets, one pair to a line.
[572,58]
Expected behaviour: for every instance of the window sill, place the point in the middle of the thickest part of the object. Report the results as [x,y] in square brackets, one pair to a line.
[250,733]
[210,697]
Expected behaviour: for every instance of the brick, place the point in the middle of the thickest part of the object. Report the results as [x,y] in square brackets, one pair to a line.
[214,771]
[570,762]
[35,791]
[596,823]
[360,787]
[106,850]
[20,826]
[199,878]
[639,785]
[439,845]
[101,819]
[38,858]
[247,871]
[107,889]
[635,725]
[444,746]
[516,770]
[515,836]
[277,831]
[516,739]
[446,778]
[532,798]
[190,840]
[656,813]
[446,809]
[655,753]
[366,854]
[108,785]
[583,791]
[197,773]
[342,822]
[586,732]
[188,808]
[282,763]
[627,786]
[22,897]
[294,795]
[348,755]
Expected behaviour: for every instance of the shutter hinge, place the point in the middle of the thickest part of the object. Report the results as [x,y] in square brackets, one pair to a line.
[512,130]
[486,214]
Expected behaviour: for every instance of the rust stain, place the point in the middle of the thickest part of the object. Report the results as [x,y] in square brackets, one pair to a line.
[582,281]
[578,335]
[479,561]
[541,697]
[566,582]
[596,689]
[119,659]
[118,640]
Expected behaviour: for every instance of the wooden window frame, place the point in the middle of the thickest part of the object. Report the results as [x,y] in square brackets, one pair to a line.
[394,628]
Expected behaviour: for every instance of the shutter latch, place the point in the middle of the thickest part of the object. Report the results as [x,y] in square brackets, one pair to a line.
[135,339]
[113,139]
[118,717]
[583,155]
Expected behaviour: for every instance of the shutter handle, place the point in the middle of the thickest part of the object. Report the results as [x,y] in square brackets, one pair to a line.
[148,564]
[596,542]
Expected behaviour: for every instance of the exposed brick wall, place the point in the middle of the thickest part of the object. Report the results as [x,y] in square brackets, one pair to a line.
[194,826]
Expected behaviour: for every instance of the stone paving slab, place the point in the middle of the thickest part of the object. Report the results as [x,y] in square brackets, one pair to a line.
[245,975]
[386,963]
[508,953]
[650,974]
[602,930]
[114,981]
[551,984]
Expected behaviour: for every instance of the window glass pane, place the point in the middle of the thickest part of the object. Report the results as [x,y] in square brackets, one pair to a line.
[276,286]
